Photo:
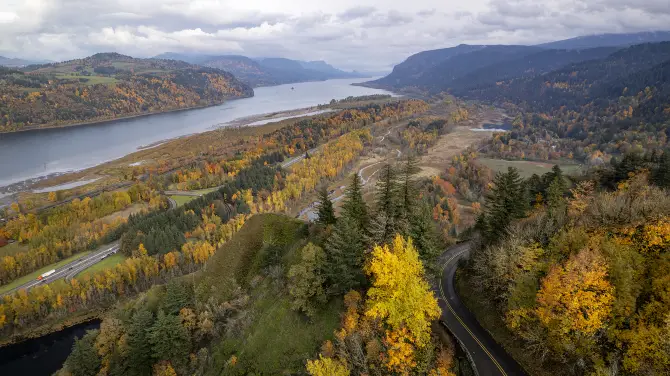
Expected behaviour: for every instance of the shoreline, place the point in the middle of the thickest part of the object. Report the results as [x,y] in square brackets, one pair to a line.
[126,117]
[271,117]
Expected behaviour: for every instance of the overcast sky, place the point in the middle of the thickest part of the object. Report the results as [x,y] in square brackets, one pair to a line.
[350,34]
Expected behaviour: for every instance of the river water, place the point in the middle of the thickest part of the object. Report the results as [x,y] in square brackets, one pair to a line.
[32,154]
[44,355]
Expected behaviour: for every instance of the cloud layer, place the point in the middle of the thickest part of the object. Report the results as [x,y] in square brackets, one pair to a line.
[367,35]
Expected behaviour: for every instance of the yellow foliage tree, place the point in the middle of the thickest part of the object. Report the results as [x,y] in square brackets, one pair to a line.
[575,300]
[401,297]
[326,367]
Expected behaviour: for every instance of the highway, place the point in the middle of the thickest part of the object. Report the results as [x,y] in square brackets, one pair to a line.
[489,358]
[70,270]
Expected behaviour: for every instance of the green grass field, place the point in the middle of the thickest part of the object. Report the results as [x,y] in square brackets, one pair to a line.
[92,80]
[527,168]
[13,249]
[107,263]
[35,274]
[181,200]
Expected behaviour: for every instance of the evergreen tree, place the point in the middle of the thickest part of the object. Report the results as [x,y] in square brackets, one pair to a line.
[661,173]
[138,359]
[169,339]
[345,255]
[178,295]
[384,225]
[326,212]
[507,202]
[422,231]
[407,195]
[555,202]
[353,206]
[84,360]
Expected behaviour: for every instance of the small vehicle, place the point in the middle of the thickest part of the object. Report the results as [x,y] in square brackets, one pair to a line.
[44,275]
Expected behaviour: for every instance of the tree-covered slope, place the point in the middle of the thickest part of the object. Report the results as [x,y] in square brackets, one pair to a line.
[108,86]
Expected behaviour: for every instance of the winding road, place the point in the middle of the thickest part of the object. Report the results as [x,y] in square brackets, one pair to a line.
[489,358]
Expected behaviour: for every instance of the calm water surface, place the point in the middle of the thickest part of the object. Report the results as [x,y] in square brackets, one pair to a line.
[27,155]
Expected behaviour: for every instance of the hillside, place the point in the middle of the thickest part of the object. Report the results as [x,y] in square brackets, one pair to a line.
[14,62]
[581,82]
[266,71]
[416,65]
[108,86]
[608,40]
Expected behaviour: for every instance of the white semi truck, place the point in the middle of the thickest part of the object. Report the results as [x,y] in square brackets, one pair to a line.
[44,275]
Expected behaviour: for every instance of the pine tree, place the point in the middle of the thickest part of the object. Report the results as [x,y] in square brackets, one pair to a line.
[555,202]
[507,202]
[384,225]
[353,206]
[326,212]
[138,358]
[345,255]
[178,295]
[84,360]
[407,196]
[169,339]
[422,231]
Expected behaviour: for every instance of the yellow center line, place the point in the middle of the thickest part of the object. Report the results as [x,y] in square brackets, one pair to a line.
[446,301]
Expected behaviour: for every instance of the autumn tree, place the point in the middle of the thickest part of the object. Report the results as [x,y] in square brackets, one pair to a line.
[575,300]
[306,280]
[326,367]
[401,297]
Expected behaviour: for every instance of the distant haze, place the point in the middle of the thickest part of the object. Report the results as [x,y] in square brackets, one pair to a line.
[367,35]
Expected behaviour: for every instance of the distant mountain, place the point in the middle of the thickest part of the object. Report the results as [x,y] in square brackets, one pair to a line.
[12,62]
[322,66]
[436,69]
[609,40]
[627,70]
[525,66]
[405,73]
[265,71]
[107,86]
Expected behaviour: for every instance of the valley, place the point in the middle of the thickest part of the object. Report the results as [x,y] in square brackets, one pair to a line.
[484,209]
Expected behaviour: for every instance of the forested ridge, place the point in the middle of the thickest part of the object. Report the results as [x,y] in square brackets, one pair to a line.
[572,268]
[107,86]
[163,244]
[363,258]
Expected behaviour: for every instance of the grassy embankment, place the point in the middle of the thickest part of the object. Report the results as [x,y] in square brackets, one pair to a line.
[13,249]
[528,168]
[107,263]
[29,277]
[278,339]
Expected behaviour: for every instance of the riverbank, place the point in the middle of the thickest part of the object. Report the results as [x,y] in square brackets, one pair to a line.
[54,326]
[43,127]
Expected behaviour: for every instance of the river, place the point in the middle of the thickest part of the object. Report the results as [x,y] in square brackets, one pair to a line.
[32,154]
[44,355]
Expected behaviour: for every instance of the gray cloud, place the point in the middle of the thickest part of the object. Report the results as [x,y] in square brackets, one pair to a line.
[352,34]
[356,13]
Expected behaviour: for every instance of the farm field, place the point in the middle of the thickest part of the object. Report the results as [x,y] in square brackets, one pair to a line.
[528,168]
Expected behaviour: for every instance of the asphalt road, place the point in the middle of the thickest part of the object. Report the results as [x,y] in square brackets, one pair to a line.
[489,358]
[70,270]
